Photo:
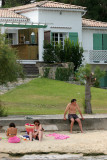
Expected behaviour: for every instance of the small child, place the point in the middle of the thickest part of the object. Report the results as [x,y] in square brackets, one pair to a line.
[38,131]
[11,134]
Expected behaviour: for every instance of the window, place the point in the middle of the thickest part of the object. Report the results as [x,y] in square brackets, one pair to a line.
[10,38]
[99,41]
[58,37]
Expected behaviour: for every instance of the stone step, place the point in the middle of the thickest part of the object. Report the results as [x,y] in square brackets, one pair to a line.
[56,124]
[30,69]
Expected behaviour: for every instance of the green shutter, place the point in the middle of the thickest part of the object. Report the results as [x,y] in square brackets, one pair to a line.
[97,41]
[51,37]
[104,41]
[103,81]
[73,36]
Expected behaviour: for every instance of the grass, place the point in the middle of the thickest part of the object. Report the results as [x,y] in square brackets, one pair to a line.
[46,96]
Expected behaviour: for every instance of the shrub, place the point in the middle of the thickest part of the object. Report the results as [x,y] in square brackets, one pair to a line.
[49,54]
[46,72]
[72,52]
[62,74]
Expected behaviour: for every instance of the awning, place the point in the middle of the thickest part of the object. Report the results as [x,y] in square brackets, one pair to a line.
[23,25]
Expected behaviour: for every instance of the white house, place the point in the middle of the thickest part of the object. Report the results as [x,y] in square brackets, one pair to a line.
[29,25]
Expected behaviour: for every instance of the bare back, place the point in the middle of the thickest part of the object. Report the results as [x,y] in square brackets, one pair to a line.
[11,132]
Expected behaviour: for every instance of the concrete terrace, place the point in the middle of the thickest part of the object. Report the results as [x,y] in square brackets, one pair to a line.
[55,122]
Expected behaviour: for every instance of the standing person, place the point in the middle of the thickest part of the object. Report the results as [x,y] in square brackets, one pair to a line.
[71,109]
[38,131]
[11,134]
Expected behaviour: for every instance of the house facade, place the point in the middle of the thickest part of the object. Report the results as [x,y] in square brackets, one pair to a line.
[30,25]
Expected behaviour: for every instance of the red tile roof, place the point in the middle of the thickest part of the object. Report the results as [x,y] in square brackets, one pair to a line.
[5,13]
[48,4]
[93,23]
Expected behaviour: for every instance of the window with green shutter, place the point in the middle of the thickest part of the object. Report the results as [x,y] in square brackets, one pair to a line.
[97,41]
[73,36]
[104,41]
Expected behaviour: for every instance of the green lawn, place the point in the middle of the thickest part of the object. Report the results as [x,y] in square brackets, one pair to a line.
[45,96]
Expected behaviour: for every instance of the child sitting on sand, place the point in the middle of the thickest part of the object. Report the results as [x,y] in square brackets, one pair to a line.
[38,131]
[11,134]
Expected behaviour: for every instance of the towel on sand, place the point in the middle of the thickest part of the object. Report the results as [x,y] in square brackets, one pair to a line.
[58,136]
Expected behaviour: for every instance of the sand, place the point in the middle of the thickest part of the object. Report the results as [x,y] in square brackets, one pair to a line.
[87,142]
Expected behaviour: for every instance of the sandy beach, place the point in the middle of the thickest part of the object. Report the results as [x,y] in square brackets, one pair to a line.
[88,142]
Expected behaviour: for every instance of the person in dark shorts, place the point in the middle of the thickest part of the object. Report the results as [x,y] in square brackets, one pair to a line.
[72,108]
[72,116]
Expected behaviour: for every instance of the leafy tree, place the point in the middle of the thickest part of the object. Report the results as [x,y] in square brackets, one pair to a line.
[13,3]
[85,73]
[10,69]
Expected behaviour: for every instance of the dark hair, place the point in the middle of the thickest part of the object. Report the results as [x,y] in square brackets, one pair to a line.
[36,121]
[12,125]
[73,100]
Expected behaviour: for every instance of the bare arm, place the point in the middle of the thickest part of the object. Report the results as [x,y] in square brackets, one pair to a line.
[7,133]
[78,108]
[66,110]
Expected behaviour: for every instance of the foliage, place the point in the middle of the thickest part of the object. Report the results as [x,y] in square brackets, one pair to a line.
[86,71]
[62,74]
[2,110]
[67,50]
[10,69]
[59,53]
[46,72]
[70,53]
[98,74]
[96,9]
[13,3]
[48,55]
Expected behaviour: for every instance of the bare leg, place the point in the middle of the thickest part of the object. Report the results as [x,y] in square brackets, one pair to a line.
[72,123]
[40,135]
[30,136]
[80,124]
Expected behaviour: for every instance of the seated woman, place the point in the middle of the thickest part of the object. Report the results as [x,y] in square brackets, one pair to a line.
[38,131]
[11,134]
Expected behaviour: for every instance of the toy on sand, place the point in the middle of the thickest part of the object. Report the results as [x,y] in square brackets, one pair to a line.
[29,127]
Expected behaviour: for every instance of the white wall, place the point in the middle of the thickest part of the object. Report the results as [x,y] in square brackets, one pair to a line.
[63,19]
[32,15]
[87,37]
[87,41]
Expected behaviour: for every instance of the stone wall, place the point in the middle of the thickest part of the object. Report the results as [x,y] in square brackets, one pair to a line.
[51,67]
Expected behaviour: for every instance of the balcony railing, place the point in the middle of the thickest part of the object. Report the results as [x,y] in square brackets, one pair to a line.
[98,56]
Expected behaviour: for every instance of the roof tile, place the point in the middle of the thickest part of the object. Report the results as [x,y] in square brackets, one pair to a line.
[48,4]
[5,13]
[93,23]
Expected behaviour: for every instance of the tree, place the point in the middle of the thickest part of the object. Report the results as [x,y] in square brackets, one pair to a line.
[13,3]
[10,69]
[85,73]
